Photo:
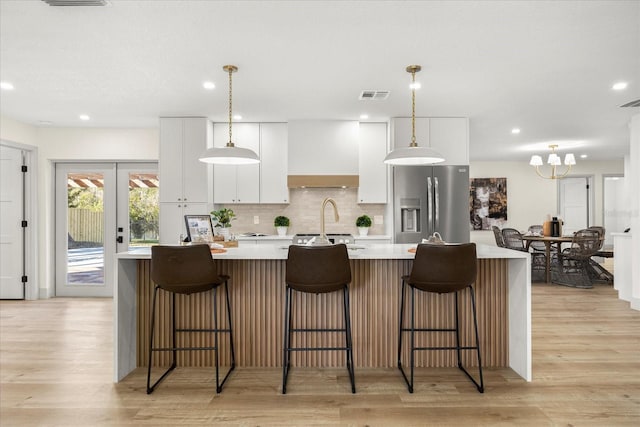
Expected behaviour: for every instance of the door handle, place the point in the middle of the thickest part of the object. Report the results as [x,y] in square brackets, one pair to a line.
[437,204]
[430,204]
[119,239]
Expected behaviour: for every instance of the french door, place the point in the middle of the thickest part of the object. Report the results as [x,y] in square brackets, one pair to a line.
[101,209]
[576,203]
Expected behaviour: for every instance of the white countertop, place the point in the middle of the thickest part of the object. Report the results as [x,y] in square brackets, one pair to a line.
[357,251]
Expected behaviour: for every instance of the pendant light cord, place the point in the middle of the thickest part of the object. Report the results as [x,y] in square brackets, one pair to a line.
[413,109]
[230,144]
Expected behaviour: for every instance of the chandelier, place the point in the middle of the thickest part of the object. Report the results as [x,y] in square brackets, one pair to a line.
[230,154]
[413,154]
[554,161]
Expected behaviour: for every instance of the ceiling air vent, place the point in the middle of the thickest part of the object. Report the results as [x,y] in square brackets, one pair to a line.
[374,95]
[635,103]
[77,2]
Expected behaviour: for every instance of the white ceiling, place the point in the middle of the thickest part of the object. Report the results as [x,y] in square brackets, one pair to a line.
[546,67]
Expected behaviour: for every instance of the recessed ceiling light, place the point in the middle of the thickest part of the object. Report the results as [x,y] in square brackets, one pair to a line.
[209,85]
[415,85]
[364,116]
[84,117]
[6,86]
[620,86]
[44,123]
[237,117]
[515,131]
[583,156]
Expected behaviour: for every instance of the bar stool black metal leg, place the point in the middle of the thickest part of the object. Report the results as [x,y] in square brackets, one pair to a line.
[413,333]
[287,339]
[348,339]
[216,338]
[150,388]
[233,352]
[457,323]
[400,322]
[480,386]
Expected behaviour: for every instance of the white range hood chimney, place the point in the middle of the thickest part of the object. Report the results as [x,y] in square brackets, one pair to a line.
[323,153]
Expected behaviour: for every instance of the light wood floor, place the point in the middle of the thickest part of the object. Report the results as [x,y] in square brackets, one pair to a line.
[56,369]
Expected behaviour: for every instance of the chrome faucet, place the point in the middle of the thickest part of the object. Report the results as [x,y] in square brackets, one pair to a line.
[322,239]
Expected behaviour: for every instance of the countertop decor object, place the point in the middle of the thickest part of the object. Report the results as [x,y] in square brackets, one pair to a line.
[363,222]
[230,154]
[281,223]
[413,154]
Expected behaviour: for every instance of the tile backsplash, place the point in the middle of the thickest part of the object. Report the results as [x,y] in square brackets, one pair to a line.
[304,212]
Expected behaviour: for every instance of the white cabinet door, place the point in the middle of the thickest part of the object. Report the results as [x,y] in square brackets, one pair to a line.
[170,164]
[171,220]
[401,132]
[372,170]
[224,176]
[182,175]
[447,135]
[248,176]
[237,184]
[450,137]
[273,163]
[196,174]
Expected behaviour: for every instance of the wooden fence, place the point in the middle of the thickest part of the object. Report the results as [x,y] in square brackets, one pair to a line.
[86,225]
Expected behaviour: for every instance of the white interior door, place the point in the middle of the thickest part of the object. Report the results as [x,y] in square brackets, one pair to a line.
[12,266]
[576,198]
[615,215]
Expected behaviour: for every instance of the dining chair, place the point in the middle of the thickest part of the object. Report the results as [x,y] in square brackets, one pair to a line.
[570,267]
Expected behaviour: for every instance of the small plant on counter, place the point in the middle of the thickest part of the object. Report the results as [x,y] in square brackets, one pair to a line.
[223,217]
[281,221]
[363,221]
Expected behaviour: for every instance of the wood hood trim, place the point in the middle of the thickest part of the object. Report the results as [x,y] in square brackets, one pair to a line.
[322,181]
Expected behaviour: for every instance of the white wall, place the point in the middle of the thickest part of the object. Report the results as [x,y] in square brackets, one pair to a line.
[75,144]
[531,198]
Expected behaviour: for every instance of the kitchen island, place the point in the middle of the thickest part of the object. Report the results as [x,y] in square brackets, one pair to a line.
[503,292]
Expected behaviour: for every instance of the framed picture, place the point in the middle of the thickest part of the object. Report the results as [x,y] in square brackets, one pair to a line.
[199,228]
[487,203]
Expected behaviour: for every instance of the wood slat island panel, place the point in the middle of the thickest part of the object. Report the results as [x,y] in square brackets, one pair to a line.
[257,298]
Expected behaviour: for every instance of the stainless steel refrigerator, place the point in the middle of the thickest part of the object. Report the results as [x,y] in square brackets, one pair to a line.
[429,199]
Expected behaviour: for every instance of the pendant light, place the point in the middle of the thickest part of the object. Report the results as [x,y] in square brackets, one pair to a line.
[413,154]
[230,154]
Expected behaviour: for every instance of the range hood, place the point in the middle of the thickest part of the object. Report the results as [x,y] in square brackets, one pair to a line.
[323,154]
[323,181]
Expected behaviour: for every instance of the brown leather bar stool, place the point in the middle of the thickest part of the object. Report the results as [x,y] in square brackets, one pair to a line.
[187,270]
[441,269]
[317,270]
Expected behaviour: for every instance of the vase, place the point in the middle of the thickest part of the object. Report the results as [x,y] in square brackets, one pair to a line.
[225,232]
[282,231]
[363,231]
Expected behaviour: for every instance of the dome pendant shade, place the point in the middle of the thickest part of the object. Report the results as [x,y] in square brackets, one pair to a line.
[413,154]
[229,154]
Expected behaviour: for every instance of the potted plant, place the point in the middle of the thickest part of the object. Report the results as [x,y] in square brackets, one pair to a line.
[281,223]
[223,218]
[363,223]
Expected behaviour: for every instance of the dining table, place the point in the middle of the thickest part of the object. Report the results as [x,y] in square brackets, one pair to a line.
[548,242]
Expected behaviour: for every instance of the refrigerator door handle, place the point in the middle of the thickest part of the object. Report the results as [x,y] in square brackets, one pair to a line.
[429,202]
[436,207]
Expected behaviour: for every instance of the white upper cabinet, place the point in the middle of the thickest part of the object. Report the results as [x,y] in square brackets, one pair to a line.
[182,176]
[231,183]
[319,147]
[273,163]
[447,135]
[372,170]
[450,136]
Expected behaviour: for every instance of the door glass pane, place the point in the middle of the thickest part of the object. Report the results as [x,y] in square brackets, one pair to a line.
[143,210]
[85,227]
